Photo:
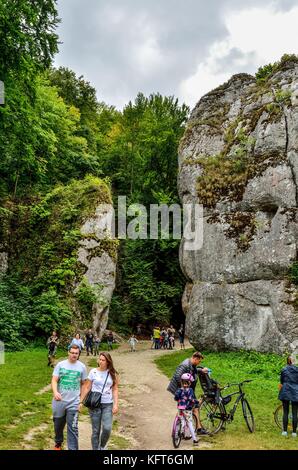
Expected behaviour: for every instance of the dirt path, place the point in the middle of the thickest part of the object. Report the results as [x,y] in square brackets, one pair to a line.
[146,410]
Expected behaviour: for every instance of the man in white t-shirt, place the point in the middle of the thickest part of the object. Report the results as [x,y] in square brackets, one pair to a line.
[68,378]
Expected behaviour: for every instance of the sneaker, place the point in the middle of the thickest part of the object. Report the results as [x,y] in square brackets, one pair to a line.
[58,447]
[195,443]
[284,433]
[294,434]
[202,432]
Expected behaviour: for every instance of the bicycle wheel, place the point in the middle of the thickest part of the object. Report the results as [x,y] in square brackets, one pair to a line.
[211,415]
[248,416]
[278,414]
[278,417]
[177,432]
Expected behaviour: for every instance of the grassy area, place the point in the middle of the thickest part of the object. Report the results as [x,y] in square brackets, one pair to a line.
[262,394]
[23,374]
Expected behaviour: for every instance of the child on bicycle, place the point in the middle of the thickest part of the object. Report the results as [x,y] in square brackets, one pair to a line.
[186,401]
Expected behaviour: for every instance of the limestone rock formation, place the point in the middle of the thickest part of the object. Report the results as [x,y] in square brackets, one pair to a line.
[3,261]
[98,253]
[239,158]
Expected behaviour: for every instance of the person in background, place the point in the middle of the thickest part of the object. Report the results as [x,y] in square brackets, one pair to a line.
[139,329]
[171,333]
[110,340]
[102,379]
[68,378]
[96,345]
[77,341]
[132,342]
[289,394]
[190,366]
[52,344]
[156,336]
[181,336]
[89,342]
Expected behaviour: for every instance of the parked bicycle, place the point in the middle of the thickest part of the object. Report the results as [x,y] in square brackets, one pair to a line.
[213,412]
[180,428]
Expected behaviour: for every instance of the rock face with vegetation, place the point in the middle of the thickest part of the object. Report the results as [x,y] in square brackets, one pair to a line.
[239,158]
[61,259]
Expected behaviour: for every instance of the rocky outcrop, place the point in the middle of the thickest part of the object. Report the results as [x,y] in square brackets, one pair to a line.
[239,158]
[3,262]
[98,254]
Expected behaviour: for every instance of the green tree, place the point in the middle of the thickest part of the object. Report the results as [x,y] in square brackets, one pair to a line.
[27,36]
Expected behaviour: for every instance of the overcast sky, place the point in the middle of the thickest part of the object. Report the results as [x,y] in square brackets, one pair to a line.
[176,47]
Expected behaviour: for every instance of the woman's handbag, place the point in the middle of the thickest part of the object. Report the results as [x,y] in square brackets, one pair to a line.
[93,399]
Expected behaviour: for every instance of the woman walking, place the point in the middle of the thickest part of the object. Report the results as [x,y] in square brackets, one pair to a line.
[102,379]
[77,341]
[289,393]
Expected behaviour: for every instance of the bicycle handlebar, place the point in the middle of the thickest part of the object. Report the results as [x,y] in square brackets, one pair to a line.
[235,383]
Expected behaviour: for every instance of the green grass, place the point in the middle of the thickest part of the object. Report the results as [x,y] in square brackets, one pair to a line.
[264,370]
[23,374]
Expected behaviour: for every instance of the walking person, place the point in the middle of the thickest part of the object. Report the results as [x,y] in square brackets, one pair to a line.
[132,342]
[96,345]
[289,394]
[102,379]
[89,342]
[192,367]
[110,340]
[181,336]
[68,378]
[77,341]
[52,344]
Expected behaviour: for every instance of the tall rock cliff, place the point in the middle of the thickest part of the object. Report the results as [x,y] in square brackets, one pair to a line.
[239,158]
[60,249]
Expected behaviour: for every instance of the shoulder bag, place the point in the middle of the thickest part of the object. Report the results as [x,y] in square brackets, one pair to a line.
[93,399]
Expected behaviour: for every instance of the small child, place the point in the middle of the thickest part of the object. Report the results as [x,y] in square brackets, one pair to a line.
[132,342]
[186,401]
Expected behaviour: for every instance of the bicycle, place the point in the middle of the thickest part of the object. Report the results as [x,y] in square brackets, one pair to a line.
[180,428]
[213,412]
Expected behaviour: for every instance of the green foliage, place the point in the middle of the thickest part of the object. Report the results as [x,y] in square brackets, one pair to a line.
[265,72]
[50,312]
[27,36]
[15,314]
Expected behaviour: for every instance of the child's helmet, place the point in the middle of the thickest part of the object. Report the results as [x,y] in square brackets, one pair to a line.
[187,377]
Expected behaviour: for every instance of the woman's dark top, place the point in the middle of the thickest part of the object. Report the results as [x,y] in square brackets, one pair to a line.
[289,381]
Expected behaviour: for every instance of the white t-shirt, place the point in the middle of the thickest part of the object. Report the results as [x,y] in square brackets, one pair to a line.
[98,377]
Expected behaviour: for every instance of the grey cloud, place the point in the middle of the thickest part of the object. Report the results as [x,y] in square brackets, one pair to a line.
[101,41]
[236,60]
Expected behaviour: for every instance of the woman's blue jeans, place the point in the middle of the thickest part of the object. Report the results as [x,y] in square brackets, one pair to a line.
[101,420]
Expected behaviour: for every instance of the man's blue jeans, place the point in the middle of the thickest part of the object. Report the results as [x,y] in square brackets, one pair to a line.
[71,418]
[101,420]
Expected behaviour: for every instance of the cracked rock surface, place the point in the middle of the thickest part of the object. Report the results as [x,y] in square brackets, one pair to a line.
[239,158]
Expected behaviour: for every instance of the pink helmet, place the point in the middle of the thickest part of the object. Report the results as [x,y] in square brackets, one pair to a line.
[187,377]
